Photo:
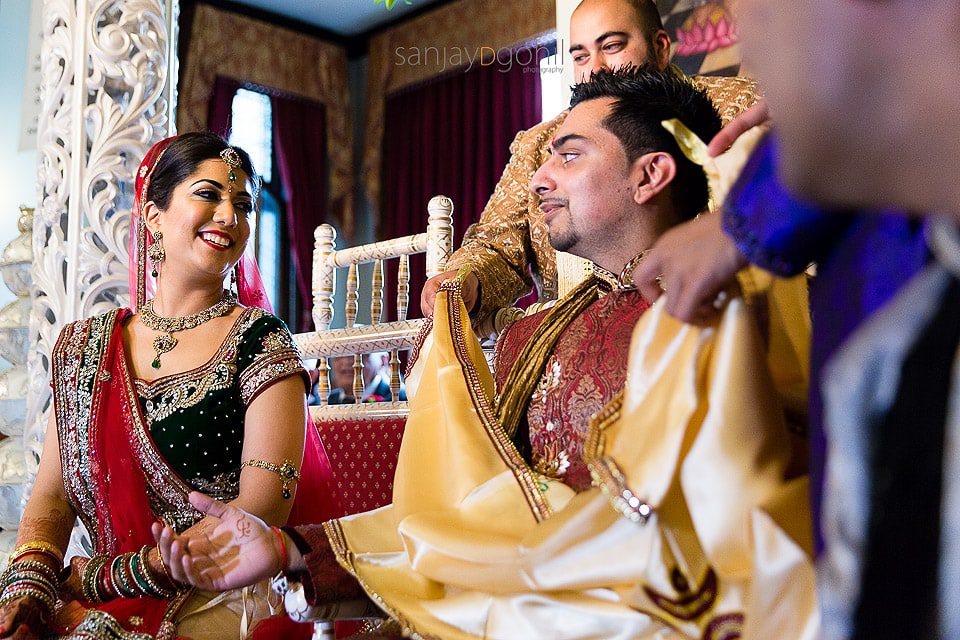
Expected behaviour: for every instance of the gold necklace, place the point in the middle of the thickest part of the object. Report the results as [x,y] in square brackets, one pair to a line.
[165,342]
[606,276]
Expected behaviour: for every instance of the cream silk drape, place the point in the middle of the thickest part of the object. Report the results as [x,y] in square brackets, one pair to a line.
[477,546]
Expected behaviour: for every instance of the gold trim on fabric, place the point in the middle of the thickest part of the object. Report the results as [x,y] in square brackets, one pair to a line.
[164,485]
[532,360]
[100,625]
[176,604]
[222,486]
[526,478]
[595,441]
[604,470]
[167,394]
[346,559]
[726,626]
[609,277]
[338,543]
[266,370]
[77,365]
[188,391]
[691,605]
[418,341]
[227,351]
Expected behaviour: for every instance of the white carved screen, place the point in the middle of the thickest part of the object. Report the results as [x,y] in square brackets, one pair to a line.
[108,78]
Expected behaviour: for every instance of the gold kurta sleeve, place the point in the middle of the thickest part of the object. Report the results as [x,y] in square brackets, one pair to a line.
[730,95]
[476,545]
[511,234]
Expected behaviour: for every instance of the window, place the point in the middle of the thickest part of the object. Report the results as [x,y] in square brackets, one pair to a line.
[252,130]
[551,81]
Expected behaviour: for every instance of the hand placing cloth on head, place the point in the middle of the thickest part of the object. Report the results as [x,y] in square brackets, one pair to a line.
[471,290]
[697,262]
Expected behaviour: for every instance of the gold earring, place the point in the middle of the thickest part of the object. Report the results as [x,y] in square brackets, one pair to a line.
[156,253]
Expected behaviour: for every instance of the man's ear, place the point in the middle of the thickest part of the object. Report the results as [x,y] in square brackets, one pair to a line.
[651,174]
[661,48]
[151,216]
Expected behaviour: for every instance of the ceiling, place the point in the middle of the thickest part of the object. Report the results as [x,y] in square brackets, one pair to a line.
[344,17]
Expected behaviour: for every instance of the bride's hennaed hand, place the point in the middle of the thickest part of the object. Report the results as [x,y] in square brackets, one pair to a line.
[210,557]
[71,587]
[21,619]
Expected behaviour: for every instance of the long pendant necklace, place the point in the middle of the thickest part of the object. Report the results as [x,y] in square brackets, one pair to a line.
[165,342]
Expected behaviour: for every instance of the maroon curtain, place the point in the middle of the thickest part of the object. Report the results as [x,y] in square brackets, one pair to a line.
[220,111]
[300,144]
[451,136]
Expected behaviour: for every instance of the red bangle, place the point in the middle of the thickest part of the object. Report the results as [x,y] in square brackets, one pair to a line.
[283,548]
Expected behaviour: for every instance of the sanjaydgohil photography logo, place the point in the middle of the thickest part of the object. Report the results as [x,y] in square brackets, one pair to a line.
[539,56]
[542,51]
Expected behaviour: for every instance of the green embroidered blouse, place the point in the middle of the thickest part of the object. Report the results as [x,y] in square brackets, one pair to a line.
[196,418]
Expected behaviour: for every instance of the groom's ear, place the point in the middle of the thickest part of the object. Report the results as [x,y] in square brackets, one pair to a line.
[650,174]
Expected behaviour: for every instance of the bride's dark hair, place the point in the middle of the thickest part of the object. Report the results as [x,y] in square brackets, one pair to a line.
[182,158]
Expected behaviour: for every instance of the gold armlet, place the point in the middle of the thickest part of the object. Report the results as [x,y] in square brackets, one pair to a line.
[287,472]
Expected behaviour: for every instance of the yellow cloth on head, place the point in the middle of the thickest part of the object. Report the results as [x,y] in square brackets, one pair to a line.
[476,545]
[781,302]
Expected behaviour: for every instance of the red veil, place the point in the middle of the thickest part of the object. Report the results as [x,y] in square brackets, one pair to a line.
[120,480]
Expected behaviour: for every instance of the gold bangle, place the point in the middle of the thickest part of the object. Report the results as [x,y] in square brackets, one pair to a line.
[36,546]
[287,472]
[90,580]
[146,573]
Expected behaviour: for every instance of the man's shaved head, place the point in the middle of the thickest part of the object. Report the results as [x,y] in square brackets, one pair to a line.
[607,34]
[644,12]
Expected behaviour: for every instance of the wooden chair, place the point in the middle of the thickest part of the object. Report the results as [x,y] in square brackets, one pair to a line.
[379,335]
[362,440]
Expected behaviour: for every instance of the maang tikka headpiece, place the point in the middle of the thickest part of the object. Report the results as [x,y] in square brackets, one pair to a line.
[232,160]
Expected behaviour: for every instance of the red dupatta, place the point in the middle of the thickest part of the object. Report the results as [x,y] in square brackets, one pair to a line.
[124,468]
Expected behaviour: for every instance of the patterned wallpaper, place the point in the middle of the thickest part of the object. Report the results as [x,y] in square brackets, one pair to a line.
[704,35]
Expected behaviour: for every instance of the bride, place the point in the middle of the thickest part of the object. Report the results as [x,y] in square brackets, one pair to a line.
[197,388]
